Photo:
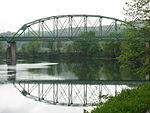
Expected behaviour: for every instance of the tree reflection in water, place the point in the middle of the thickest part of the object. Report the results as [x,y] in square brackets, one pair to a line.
[93,70]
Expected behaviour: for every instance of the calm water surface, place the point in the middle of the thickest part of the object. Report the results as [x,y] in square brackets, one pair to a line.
[54,86]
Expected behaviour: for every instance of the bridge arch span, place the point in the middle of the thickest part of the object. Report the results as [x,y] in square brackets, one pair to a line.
[69,27]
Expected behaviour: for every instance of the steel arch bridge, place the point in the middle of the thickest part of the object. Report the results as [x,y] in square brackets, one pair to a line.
[69,28]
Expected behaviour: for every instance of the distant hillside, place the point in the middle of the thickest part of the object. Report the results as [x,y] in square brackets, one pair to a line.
[8,33]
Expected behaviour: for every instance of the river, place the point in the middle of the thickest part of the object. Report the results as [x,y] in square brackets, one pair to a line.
[54,86]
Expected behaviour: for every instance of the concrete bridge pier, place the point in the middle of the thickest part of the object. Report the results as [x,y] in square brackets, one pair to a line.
[11,53]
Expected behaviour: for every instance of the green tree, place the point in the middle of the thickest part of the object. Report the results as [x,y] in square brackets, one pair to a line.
[85,48]
[136,52]
[51,46]
[32,49]
[69,50]
[111,49]
[59,46]
[2,50]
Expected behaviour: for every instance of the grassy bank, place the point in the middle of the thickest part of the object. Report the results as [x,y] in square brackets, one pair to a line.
[136,100]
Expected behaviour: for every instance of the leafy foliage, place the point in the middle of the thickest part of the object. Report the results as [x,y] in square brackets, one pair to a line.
[111,49]
[2,50]
[32,49]
[137,10]
[86,48]
[133,57]
[136,100]
[136,53]
[55,48]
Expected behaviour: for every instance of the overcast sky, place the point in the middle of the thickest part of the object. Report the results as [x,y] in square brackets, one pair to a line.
[15,13]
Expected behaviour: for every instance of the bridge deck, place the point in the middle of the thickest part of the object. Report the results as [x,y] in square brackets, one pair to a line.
[94,82]
[104,38]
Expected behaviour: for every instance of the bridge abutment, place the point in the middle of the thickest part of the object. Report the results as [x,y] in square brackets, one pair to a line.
[11,53]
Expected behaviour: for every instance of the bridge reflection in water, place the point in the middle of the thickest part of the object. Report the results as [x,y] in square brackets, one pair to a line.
[71,92]
[67,92]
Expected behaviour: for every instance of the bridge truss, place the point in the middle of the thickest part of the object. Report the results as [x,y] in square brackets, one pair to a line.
[69,28]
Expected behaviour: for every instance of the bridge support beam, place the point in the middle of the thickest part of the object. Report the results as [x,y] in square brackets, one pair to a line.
[11,53]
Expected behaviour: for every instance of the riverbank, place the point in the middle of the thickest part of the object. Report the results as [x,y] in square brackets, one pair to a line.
[63,57]
[136,100]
